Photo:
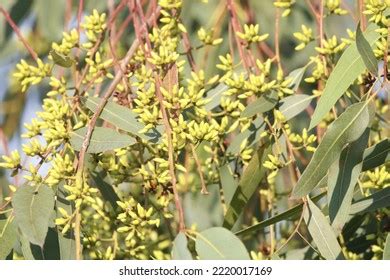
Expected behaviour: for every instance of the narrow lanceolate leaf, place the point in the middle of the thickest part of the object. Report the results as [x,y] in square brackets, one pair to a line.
[342,178]
[366,52]
[103,139]
[106,189]
[347,128]
[286,215]
[321,232]
[296,76]
[379,199]
[66,241]
[261,105]
[220,244]
[33,208]
[179,248]
[122,117]
[250,180]
[229,184]
[348,68]
[295,104]
[252,134]
[386,249]
[7,237]
[215,96]
[376,155]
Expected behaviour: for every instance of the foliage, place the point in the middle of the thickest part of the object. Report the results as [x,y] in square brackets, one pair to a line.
[171,134]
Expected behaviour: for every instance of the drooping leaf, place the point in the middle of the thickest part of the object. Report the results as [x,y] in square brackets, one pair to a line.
[348,68]
[250,180]
[103,139]
[50,18]
[215,95]
[7,237]
[379,199]
[296,76]
[321,232]
[288,214]
[386,249]
[122,117]
[342,178]
[179,248]
[295,104]
[218,243]
[366,52]
[345,129]
[105,188]
[33,207]
[252,134]
[18,12]
[261,105]
[66,241]
[229,184]
[376,155]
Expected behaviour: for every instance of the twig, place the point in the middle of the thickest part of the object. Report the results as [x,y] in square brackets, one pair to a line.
[199,167]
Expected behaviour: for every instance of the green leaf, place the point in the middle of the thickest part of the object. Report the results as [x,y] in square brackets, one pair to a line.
[386,249]
[19,11]
[215,95]
[321,232]
[295,104]
[229,184]
[7,237]
[376,155]
[250,180]
[218,243]
[103,139]
[67,241]
[252,134]
[61,60]
[261,105]
[296,76]
[179,248]
[366,52]
[106,189]
[342,178]
[33,207]
[348,68]
[379,199]
[50,18]
[346,128]
[122,117]
[288,214]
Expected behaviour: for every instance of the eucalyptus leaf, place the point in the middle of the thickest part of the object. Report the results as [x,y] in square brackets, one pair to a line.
[295,104]
[342,178]
[218,243]
[62,60]
[250,180]
[33,207]
[286,215]
[106,189]
[296,77]
[321,232]
[386,249]
[348,68]
[229,184]
[261,105]
[252,134]
[215,95]
[348,127]
[376,155]
[102,139]
[180,248]
[7,237]
[122,117]
[379,199]
[67,243]
[366,52]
